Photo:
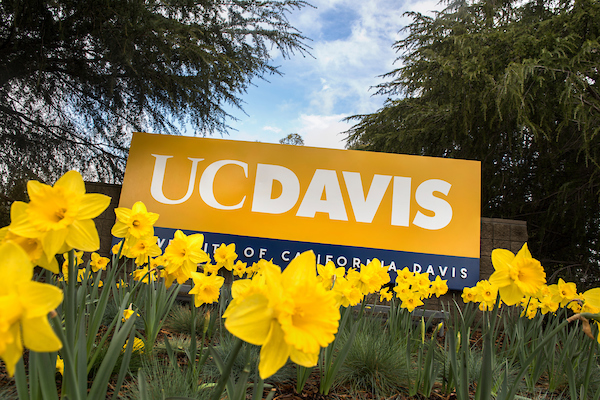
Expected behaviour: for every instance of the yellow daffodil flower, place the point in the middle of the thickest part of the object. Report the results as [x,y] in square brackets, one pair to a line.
[486,294]
[142,249]
[121,283]
[370,278]
[183,254]
[97,262]
[115,249]
[287,313]
[516,276]
[439,286]
[138,345]
[33,248]
[60,216]
[385,294]
[24,308]
[563,292]
[135,223]
[146,275]
[468,295]
[128,312]
[410,301]
[60,365]
[402,288]
[547,304]
[328,274]
[239,268]
[346,294]
[225,256]
[404,275]
[206,288]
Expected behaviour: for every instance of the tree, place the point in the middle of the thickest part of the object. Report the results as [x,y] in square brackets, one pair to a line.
[76,78]
[515,85]
[292,138]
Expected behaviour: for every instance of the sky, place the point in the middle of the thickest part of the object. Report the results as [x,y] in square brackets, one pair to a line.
[351,43]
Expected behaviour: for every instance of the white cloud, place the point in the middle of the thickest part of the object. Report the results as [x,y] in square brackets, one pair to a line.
[271,128]
[323,130]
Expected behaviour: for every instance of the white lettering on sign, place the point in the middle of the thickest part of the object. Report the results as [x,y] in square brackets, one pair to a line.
[323,195]
[207,184]
[263,201]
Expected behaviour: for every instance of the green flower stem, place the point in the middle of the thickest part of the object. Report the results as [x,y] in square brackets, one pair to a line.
[69,359]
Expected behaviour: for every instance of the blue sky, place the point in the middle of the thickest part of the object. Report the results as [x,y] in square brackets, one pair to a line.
[351,44]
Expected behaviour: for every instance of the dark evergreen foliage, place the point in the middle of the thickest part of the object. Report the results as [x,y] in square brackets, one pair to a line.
[515,85]
[77,77]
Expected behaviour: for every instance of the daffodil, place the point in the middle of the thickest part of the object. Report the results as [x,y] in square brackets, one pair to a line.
[385,294]
[225,255]
[239,268]
[439,286]
[33,248]
[370,278]
[516,276]
[404,275]
[410,301]
[287,313]
[60,365]
[206,288]
[346,293]
[468,295]
[122,245]
[136,223]
[60,216]
[145,274]
[530,307]
[143,248]
[547,304]
[402,289]
[97,262]
[563,292]
[137,347]
[24,308]
[486,294]
[183,254]
[328,274]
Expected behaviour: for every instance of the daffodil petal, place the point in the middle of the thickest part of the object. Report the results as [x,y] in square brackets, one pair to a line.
[53,242]
[15,267]
[19,221]
[305,359]
[274,353]
[39,336]
[71,181]
[510,294]
[92,205]
[299,269]
[35,189]
[250,319]
[83,235]
[592,297]
[524,252]
[39,298]
[500,278]
[14,351]
[501,258]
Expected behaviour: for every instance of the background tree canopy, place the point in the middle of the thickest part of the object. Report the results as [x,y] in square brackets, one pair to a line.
[515,85]
[77,77]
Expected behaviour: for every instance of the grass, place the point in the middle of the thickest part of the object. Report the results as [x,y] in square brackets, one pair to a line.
[375,362]
[180,320]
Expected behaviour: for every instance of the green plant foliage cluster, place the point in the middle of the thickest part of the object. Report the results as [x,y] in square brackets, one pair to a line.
[515,85]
